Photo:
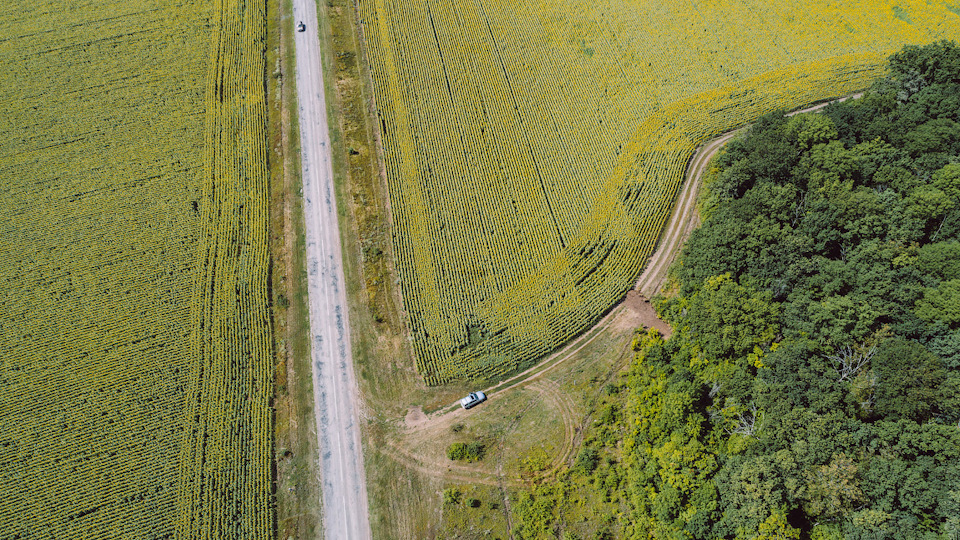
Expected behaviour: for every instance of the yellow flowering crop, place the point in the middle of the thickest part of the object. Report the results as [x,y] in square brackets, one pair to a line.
[534,148]
[135,345]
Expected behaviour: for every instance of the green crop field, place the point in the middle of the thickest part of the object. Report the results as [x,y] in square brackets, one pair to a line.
[135,340]
[533,149]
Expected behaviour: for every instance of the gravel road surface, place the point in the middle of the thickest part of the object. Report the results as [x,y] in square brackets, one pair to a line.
[343,482]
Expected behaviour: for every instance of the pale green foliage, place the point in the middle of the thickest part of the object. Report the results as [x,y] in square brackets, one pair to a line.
[832,489]
[776,528]
[941,303]
[811,129]
[948,180]
[727,321]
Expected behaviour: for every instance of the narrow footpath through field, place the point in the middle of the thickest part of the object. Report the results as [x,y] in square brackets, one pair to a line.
[343,482]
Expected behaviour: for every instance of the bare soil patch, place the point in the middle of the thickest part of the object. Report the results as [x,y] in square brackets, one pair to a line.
[646,315]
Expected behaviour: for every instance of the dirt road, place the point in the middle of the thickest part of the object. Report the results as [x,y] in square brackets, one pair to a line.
[343,482]
[683,220]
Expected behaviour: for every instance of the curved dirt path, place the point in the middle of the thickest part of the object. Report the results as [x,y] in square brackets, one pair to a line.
[548,392]
[343,482]
[561,402]
[621,315]
[683,220]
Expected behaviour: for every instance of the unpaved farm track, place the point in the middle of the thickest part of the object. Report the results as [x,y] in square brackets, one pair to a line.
[546,391]
[683,220]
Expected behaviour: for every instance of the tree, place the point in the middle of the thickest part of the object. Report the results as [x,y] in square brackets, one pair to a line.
[930,205]
[934,63]
[828,169]
[947,179]
[946,345]
[940,260]
[941,303]
[833,489]
[895,177]
[936,135]
[797,378]
[909,380]
[777,528]
[753,488]
[810,129]
[727,320]
[771,153]
[850,359]
[869,524]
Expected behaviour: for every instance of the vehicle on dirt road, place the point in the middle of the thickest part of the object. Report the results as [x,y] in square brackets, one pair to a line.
[475,398]
[301,27]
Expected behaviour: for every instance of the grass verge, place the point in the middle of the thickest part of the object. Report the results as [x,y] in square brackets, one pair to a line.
[401,501]
[299,512]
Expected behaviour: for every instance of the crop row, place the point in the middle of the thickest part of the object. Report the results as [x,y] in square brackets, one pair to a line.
[225,473]
[533,149]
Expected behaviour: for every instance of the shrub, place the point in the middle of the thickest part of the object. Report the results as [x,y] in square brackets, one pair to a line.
[588,459]
[468,452]
[452,496]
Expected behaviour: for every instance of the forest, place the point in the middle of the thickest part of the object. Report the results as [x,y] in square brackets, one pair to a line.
[811,387]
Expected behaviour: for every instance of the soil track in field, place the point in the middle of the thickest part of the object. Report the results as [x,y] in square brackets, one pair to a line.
[633,312]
